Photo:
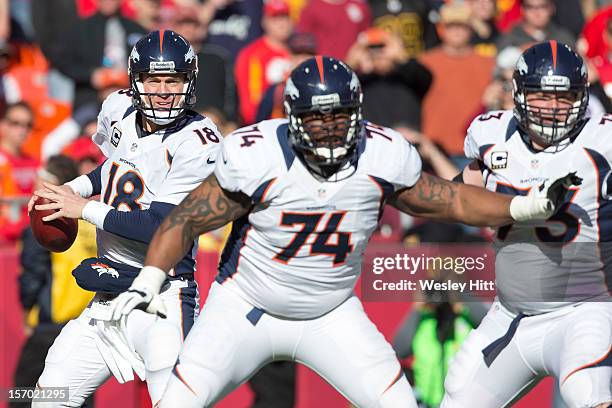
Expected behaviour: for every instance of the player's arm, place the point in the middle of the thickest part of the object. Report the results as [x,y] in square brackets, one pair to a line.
[433,197]
[206,208]
[88,185]
[188,171]
[471,174]
[139,224]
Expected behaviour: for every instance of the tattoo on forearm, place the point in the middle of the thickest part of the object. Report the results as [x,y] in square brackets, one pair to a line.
[435,190]
[206,208]
[428,196]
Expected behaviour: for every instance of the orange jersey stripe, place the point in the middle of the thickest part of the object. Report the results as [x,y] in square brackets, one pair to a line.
[180,377]
[587,365]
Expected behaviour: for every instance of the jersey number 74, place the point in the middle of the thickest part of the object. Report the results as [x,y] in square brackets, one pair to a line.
[321,245]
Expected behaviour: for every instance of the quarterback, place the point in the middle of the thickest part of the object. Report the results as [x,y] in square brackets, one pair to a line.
[158,151]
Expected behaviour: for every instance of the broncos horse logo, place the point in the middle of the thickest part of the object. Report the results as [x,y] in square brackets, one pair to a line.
[103,268]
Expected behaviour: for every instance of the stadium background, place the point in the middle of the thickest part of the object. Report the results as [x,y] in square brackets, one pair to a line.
[50,60]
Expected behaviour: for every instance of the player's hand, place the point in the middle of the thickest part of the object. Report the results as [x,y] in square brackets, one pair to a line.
[557,190]
[69,204]
[543,202]
[31,203]
[138,298]
[143,294]
[34,197]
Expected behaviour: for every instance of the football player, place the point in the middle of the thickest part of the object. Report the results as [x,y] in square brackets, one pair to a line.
[158,151]
[553,314]
[304,194]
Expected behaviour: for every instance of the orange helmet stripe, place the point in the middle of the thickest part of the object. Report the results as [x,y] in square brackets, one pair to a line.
[161,41]
[553,47]
[319,60]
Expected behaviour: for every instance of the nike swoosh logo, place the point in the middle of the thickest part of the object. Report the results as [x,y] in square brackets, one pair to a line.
[208,161]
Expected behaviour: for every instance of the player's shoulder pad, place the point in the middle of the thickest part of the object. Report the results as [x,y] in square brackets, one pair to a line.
[193,133]
[389,156]
[258,134]
[598,129]
[258,142]
[117,105]
[381,141]
[489,129]
[253,155]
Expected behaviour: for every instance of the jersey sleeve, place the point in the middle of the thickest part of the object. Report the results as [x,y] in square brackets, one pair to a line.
[391,157]
[102,135]
[487,130]
[410,166]
[470,147]
[112,111]
[191,165]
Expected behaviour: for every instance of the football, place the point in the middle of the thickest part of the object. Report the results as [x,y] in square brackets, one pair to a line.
[57,235]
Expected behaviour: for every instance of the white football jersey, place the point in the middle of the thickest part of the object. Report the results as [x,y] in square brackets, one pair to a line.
[298,253]
[142,168]
[544,265]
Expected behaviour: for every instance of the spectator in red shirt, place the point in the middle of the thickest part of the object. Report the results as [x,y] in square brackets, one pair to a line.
[595,44]
[335,24]
[265,61]
[302,46]
[15,127]
[508,14]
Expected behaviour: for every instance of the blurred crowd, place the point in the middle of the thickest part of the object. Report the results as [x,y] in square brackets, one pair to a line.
[427,67]
[440,63]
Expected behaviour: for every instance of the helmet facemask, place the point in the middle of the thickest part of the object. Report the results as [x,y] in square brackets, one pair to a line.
[143,101]
[548,126]
[326,137]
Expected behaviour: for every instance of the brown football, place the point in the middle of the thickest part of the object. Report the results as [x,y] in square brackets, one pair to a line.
[57,235]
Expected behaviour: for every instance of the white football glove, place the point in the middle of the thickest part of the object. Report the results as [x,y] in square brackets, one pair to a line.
[143,294]
[544,202]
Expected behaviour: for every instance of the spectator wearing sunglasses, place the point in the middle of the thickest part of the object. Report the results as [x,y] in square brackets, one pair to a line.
[15,127]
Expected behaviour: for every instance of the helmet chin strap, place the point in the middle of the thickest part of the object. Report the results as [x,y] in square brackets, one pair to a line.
[321,170]
[331,172]
[160,121]
[324,171]
[550,135]
[532,137]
